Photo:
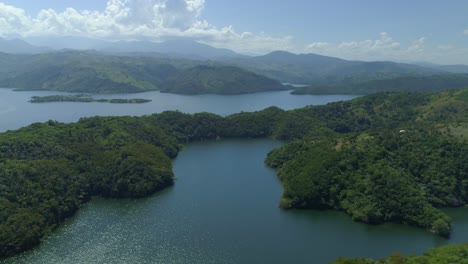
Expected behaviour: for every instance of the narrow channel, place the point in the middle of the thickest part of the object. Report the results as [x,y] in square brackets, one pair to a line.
[223,208]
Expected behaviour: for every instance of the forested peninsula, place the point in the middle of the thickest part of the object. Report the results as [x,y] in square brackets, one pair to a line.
[385,157]
[428,83]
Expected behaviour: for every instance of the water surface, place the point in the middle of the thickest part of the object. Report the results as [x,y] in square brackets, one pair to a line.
[16,111]
[224,209]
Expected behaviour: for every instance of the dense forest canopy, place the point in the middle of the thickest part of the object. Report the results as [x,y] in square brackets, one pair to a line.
[450,254]
[385,157]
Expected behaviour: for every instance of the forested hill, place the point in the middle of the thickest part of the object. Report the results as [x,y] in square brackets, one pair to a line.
[385,157]
[314,69]
[431,83]
[92,72]
[451,254]
[86,72]
[219,80]
[96,72]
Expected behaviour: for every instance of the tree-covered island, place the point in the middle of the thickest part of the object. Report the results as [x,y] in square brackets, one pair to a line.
[84,98]
[387,157]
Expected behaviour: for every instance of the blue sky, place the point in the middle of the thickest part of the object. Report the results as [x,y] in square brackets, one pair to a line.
[418,30]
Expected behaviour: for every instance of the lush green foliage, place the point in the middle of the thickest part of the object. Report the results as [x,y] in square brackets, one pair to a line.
[392,158]
[219,80]
[48,170]
[83,98]
[351,156]
[450,254]
[432,83]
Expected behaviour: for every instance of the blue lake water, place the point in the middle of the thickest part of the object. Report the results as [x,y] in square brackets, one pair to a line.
[16,111]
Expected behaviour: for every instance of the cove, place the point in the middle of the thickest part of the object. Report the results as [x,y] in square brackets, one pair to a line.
[223,208]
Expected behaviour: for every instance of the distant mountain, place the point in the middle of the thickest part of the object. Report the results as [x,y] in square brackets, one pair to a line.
[93,72]
[77,71]
[19,46]
[456,68]
[219,80]
[324,70]
[176,47]
[98,72]
[67,42]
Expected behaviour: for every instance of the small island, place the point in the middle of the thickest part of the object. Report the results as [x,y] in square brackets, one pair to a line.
[84,98]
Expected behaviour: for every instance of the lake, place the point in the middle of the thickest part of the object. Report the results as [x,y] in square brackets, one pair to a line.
[16,111]
[223,207]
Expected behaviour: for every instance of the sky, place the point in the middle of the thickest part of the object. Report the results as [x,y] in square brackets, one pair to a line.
[397,30]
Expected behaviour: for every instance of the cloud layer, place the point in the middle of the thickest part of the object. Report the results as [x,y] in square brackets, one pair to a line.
[136,19]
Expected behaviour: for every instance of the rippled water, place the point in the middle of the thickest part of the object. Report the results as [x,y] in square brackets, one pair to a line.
[223,208]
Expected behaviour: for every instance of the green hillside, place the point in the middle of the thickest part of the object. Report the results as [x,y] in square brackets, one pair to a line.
[313,69]
[219,80]
[87,72]
[432,83]
[75,71]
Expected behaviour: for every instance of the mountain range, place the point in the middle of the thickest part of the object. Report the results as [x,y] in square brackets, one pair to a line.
[135,66]
[20,46]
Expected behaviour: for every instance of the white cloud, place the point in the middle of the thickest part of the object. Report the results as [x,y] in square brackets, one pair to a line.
[382,48]
[417,47]
[386,48]
[465,32]
[136,19]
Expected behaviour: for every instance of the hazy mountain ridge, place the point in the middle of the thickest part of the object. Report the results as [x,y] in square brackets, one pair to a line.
[18,46]
[135,66]
[177,48]
[93,72]
[318,69]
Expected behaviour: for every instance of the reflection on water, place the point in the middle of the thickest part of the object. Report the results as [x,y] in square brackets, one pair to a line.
[223,208]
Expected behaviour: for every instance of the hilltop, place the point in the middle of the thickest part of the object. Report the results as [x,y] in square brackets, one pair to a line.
[219,80]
